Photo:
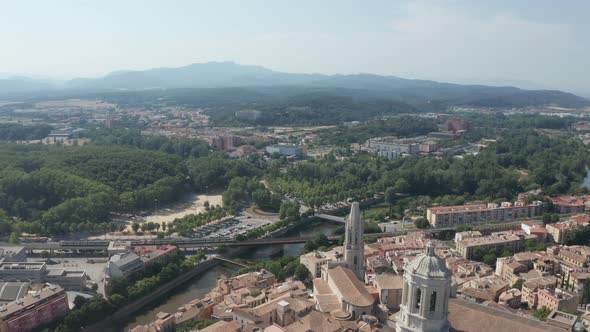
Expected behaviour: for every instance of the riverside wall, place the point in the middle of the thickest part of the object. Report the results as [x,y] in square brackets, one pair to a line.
[123,313]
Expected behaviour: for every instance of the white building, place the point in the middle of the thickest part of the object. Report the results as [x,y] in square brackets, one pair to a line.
[122,265]
[287,150]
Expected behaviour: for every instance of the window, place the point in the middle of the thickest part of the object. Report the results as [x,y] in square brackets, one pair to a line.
[418,298]
[433,302]
[355,260]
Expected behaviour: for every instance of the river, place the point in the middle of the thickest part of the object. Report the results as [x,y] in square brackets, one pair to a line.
[202,284]
[586,180]
[266,252]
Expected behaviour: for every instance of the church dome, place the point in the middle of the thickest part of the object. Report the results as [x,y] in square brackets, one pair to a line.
[428,265]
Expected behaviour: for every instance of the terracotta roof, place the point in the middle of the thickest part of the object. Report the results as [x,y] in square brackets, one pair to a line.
[315,321]
[389,281]
[222,326]
[352,289]
[467,316]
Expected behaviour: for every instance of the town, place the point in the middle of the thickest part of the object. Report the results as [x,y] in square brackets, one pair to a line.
[255,166]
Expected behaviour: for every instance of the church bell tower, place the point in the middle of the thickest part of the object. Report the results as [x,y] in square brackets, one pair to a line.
[425,294]
[354,245]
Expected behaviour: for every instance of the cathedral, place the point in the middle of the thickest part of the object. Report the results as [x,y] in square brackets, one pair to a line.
[425,295]
[428,302]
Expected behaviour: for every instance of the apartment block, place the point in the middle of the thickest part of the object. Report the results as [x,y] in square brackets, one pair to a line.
[570,204]
[448,216]
[497,242]
[35,310]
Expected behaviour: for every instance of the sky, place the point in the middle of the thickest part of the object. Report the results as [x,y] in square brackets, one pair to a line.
[530,43]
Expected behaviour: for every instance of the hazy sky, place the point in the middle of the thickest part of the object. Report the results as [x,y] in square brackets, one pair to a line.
[546,42]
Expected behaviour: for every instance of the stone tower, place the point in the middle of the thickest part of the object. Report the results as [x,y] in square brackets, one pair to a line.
[425,295]
[354,246]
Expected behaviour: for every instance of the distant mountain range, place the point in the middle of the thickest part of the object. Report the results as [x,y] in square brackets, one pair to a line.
[229,74]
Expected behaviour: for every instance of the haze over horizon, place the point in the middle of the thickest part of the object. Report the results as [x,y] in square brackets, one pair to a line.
[530,44]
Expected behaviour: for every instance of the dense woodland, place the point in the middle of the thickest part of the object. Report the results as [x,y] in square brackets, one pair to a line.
[19,132]
[58,189]
[518,161]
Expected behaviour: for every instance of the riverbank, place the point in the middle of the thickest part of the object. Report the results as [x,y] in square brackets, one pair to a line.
[190,204]
[117,319]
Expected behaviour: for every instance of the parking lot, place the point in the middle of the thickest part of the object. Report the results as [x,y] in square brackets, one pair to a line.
[230,227]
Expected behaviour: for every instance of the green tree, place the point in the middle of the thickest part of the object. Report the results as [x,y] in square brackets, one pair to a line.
[542,313]
[79,301]
[14,238]
[586,292]
[390,197]
[518,284]
[302,273]
[490,259]
[135,227]
[421,223]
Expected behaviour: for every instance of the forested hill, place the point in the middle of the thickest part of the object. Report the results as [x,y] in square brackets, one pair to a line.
[230,75]
[58,189]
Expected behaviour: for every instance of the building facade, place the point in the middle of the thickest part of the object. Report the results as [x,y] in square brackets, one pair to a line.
[448,216]
[35,310]
[509,241]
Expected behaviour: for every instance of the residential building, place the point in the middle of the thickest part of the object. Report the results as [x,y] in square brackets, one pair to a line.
[460,236]
[447,216]
[509,241]
[225,142]
[314,261]
[577,280]
[392,147]
[557,231]
[484,289]
[576,256]
[429,146]
[536,228]
[570,204]
[389,288]
[531,287]
[557,299]
[509,269]
[164,322]
[35,310]
[282,311]
[511,298]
